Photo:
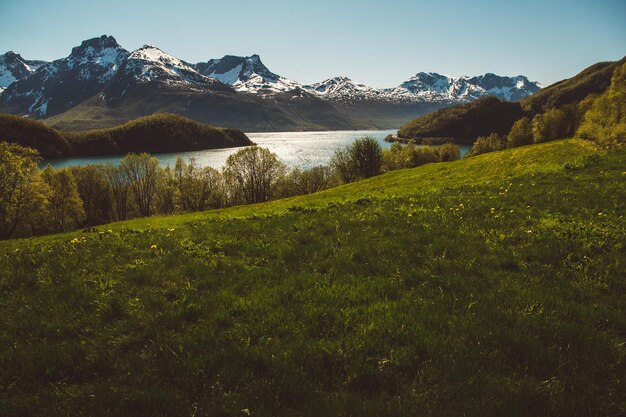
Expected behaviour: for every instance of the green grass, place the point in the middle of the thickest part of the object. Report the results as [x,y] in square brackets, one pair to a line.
[490,286]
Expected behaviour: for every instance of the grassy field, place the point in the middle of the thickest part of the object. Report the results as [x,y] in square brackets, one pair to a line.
[490,286]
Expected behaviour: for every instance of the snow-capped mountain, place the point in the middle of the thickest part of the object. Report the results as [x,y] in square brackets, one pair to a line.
[343,89]
[101,75]
[13,67]
[433,87]
[150,65]
[64,83]
[246,74]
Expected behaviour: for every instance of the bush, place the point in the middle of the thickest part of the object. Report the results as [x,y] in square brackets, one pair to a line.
[551,125]
[485,144]
[521,133]
[367,157]
[449,152]
[398,156]
[605,122]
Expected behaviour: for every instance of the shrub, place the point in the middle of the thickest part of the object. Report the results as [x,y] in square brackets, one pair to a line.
[605,122]
[521,133]
[449,152]
[485,144]
[367,157]
[424,155]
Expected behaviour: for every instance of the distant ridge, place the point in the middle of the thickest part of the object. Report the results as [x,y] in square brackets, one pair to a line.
[464,123]
[101,84]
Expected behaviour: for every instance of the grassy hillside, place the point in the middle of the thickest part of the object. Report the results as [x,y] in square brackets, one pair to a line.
[490,286]
[155,133]
[464,123]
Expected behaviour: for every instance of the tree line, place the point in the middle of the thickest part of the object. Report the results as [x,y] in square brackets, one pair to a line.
[599,118]
[36,201]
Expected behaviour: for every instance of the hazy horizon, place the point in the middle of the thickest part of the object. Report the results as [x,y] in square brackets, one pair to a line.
[372,42]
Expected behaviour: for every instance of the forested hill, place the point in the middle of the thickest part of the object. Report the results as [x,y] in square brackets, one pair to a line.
[465,123]
[154,134]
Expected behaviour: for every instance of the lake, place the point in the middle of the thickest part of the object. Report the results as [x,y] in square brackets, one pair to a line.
[296,149]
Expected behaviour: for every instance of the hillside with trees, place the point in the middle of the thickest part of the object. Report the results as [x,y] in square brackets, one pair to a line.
[155,134]
[567,101]
[472,280]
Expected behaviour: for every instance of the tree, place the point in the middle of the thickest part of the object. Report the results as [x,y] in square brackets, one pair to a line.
[252,173]
[398,156]
[367,157]
[423,155]
[485,144]
[605,122]
[95,192]
[521,133]
[551,125]
[141,172]
[23,193]
[65,206]
[197,188]
[307,181]
[120,191]
[449,152]
[343,165]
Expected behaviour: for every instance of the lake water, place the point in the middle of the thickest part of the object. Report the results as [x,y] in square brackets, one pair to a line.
[296,149]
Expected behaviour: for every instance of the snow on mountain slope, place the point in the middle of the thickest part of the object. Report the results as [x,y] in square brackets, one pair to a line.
[343,89]
[13,67]
[246,74]
[101,66]
[59,85]
[441,88]
[152,64]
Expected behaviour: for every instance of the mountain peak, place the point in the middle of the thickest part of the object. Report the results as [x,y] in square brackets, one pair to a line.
[246,74]
[102,42]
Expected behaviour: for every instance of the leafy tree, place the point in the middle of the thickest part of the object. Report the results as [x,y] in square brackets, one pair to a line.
[23,193]
[167,192]
[398,156]
[65,206]
[521,133]
[449,152]
[141,172]
[485,144]
[367,157]
[252,174]
[551,125]
[120,191]
[198,188]
[307,181]
[95,192]
[423,155]
[605,122]
[343,165]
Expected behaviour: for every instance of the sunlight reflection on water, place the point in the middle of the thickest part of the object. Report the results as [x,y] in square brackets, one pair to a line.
[296,149]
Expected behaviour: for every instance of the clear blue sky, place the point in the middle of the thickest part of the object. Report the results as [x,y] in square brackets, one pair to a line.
[380,43]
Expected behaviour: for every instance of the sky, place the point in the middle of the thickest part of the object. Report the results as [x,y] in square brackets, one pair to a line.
[380,43]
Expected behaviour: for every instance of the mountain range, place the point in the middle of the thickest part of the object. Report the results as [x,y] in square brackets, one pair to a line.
[101,84]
